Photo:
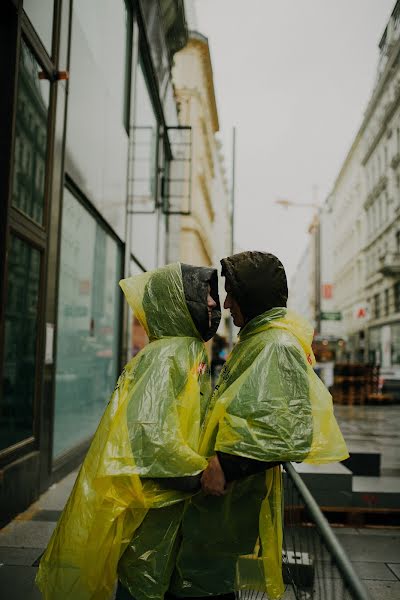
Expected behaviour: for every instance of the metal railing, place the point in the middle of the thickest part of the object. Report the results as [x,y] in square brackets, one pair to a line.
[315,566]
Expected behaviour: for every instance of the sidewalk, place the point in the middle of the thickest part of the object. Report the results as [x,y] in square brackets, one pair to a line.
[375,553]
[23,541]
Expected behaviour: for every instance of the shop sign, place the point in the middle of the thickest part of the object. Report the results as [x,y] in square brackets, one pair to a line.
[331,316]
[361,312]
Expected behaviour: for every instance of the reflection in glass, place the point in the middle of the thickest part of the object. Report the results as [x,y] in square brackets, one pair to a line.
[30,137]
[136,335]
[145,148]
[88,325]
[16,401]
[97,141]
[40,13]
[145,227]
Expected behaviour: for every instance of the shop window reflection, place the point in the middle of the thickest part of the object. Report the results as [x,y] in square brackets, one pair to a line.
[97,142]
[30,137]
[144,185]
[16,403]
[88,325]
[136,335]
[40,14]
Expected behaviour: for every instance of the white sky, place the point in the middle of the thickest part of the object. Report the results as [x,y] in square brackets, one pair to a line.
[294,77]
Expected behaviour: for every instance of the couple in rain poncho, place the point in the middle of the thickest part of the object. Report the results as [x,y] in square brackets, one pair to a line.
[137,511]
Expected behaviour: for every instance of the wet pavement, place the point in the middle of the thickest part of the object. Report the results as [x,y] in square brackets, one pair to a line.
[375,553]
[373,428]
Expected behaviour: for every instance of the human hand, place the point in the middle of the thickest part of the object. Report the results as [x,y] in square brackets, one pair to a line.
[213,479]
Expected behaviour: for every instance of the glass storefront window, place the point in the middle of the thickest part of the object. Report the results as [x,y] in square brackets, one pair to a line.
[21,316]
[30,137]
[97,141]
[396,344]
[145,242]
[88,325]
[145,147]
[374,346]
[40,14]
[137,337]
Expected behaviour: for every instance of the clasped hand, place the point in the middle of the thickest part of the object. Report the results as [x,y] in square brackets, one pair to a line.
[213,480]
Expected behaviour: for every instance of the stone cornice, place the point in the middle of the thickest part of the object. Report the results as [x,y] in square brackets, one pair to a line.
[391,109]
[190,224]
[376,95]
[376,191]
[200,43]
[207,197]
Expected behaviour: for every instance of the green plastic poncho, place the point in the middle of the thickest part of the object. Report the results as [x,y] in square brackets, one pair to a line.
[268,405]
[149,431]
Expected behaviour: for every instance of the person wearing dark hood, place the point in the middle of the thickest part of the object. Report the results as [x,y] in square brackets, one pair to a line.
[144,460]
[268,407]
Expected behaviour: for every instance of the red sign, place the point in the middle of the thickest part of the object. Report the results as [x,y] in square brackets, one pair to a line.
[327,291]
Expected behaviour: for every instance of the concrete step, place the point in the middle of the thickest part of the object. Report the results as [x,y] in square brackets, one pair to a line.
[331,484]
[361,462]
[376,492]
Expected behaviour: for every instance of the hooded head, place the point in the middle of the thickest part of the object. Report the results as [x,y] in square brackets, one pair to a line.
[164,300]
[257,282]
[198,283]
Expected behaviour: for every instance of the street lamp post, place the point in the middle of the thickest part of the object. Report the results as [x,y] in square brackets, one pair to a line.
[315,228]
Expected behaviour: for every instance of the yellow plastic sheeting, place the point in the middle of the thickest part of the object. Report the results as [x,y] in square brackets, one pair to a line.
[150,429]
[270,405]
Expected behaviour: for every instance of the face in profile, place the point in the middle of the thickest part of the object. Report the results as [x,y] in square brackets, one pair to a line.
[233,306]
[211,304]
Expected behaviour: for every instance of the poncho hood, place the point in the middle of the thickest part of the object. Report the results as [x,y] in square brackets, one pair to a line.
[195,284]
[172,301]
[258,281]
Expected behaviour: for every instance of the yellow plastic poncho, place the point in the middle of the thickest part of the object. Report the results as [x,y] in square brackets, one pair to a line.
[269,405]
[150,429]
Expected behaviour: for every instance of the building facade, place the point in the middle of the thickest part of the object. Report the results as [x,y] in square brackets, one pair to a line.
[88,119]
[201,234]
[194,90]
[381,202]
[360,225]
[348,222]
[301,287]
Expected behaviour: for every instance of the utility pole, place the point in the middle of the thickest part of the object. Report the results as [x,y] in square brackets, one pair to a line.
[317,249]
[232,217]
[233,190]
[315,230]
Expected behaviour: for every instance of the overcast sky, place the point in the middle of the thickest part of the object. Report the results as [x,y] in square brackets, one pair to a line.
[294,77]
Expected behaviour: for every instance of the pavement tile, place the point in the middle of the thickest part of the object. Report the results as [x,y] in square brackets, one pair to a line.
[379,590]
[27,534]
[57,495]
[47,515]
[374,570]
[379,531]
[19,556]
[338,531]
[395,567]
[383,549]
[366,570]
[18,583]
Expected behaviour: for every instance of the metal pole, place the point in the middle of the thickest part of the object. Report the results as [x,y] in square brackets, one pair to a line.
[233,190]
[318,261]
[129,216]
[341,559]
[232,217]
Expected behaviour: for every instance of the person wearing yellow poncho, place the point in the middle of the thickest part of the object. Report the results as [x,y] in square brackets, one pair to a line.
[143,460]
[268,407]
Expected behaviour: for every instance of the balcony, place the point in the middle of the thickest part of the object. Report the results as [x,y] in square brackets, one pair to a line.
[395,161]
[390,264]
